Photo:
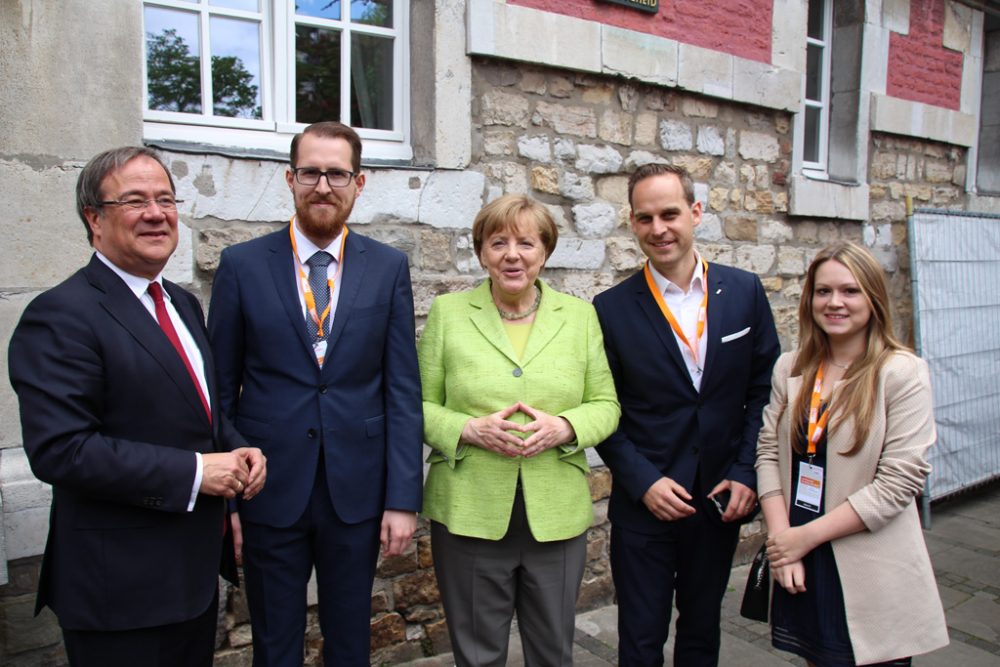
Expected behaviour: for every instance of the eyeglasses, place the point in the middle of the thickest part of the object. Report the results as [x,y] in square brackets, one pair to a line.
[139,204]
[335,178]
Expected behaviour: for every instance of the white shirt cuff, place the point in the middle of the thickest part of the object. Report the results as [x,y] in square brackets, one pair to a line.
[197,482]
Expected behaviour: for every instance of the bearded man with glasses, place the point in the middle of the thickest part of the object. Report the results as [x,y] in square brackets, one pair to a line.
[313,328]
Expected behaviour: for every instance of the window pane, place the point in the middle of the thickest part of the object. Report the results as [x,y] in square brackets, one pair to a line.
[814,72]
[371,82]
[816,15]
[321,9]
[372,12]
[317,74]
[811,139]
[235,67]
[173,65]
[246,5]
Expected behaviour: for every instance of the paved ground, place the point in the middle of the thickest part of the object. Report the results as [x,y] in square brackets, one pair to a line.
[964,543]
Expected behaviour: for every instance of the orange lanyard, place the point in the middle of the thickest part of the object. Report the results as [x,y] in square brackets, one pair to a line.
[702,309]
[317,318]
[817,423]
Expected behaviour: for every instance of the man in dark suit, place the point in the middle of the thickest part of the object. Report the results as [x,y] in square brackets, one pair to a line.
[691,345]
[114,376]
[312,327]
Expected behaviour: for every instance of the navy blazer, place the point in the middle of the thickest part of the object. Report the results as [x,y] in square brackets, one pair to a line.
[363,406]
[111,419]
[667,427]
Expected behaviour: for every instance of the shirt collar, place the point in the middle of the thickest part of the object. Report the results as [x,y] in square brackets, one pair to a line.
[137,284]
[697,279]
[307,248]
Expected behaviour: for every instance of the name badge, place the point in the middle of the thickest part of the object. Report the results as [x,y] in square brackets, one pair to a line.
[319,347]
[809,490]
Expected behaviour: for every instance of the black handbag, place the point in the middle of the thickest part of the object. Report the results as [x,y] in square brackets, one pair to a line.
[757,594]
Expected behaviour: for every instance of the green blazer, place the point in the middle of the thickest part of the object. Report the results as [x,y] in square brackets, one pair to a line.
[468,369]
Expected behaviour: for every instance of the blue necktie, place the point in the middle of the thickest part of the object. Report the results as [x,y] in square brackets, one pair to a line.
[320,286]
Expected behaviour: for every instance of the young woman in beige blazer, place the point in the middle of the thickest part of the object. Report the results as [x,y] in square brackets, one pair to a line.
[840,463]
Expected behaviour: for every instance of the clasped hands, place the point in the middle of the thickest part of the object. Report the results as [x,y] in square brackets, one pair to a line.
[493,432]
[229,474]
[785,551]
[669,501]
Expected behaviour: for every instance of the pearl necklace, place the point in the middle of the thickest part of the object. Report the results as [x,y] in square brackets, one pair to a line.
[507,315]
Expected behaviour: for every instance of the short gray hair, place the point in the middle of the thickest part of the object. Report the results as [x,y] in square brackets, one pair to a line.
[88,186]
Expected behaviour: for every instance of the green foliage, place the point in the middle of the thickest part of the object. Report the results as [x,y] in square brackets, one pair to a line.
[317,74]
[174,79]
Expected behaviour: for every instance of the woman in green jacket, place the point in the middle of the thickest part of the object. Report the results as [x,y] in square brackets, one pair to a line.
[516,386]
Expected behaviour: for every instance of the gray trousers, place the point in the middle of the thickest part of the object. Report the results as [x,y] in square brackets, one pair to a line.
[482,582]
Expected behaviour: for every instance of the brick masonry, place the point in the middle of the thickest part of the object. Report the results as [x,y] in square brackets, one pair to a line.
[568,140]
[921,68]
[737,27]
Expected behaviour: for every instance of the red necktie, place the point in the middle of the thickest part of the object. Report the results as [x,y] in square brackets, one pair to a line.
[163,318]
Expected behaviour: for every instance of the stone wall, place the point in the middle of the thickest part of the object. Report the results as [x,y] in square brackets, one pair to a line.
[932,175]
[571,141]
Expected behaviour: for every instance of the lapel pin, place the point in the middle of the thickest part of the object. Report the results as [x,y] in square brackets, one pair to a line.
[718,291]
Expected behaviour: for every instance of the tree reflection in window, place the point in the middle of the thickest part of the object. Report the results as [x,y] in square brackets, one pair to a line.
[318,85]
[173,78]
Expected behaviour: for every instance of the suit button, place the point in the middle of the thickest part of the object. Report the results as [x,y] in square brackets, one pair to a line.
[518,372]
[311,433]
[322,389]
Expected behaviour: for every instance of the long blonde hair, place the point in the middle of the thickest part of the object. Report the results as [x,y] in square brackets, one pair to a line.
[855,396]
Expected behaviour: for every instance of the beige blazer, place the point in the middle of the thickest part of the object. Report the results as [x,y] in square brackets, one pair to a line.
[892,602]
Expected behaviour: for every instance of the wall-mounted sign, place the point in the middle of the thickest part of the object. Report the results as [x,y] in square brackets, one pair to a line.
[651,6]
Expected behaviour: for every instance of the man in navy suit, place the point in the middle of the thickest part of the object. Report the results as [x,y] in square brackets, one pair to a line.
[691,345]
[114,376]
[312,327]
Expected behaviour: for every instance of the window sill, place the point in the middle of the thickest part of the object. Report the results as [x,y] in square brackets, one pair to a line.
[257,144]
[809,197]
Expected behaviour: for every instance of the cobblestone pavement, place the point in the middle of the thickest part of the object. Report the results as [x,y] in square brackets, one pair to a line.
[964,543]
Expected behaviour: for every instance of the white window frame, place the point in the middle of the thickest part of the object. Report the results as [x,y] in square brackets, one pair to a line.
[274,132]
[819,168]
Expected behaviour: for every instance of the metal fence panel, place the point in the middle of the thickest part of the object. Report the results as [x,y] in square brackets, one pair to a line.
[955,266]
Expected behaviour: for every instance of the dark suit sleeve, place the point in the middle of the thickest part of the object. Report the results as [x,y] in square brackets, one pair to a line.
[225,332]
[631,470]
[57,367]
[765,352]
[225,335]
[403,402]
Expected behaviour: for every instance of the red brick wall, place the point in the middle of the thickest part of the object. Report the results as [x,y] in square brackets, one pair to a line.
[921,69]
[738,27]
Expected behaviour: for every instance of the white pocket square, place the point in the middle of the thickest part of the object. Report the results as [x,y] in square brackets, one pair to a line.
[734,336]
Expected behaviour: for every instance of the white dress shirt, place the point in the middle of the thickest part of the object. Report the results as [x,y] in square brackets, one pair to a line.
[306,249]
[684,303]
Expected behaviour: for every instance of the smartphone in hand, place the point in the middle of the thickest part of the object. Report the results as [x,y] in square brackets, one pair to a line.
[721,501]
